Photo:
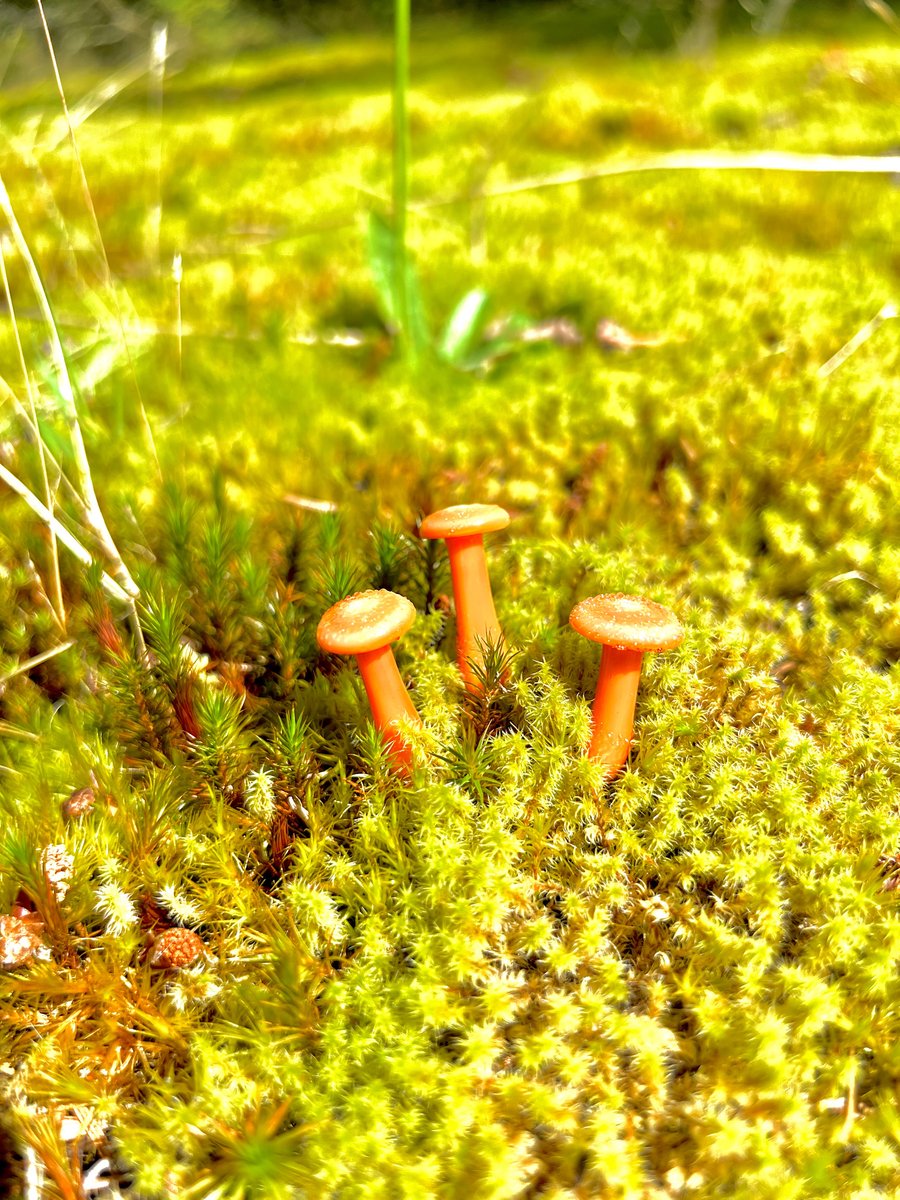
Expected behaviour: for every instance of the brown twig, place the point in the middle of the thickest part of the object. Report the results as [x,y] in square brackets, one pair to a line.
[885,313]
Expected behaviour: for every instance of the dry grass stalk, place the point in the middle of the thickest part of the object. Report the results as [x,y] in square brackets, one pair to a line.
[49,493]
[89,203]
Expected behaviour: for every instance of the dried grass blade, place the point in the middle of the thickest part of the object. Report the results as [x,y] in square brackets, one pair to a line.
[68,540]
[49,493]
[36,661]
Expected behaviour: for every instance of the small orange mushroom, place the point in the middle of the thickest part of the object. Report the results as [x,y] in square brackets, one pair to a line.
[463,527]
[365,625]
[627,627]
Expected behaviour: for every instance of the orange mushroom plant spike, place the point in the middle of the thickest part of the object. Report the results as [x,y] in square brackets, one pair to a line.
[463,527]
[365,625]
[628,627]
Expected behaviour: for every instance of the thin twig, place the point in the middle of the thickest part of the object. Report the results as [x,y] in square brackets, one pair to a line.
[719,161]
[33,431]
[715,160]
[96,519]
[111,87]
[68,540]
[679,160]
[35,662]
[885,313]
[885,12]
[67,392]
[13,731]
[58,604]
[89,203]
[761,160]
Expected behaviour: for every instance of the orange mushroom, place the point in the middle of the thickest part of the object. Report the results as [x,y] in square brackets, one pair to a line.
[463,527]
[365,625]
[627,627]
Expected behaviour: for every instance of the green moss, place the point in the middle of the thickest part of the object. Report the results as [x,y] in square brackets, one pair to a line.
[502,978]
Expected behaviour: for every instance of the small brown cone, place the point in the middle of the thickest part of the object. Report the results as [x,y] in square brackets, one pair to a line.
[176,948]
[20,939]
[79,804]
[57,864]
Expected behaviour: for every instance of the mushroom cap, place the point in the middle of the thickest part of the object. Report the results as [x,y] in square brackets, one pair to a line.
[365,621]
[462,520]
[627,622]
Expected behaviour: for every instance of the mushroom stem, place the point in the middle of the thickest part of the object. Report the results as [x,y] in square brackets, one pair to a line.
[476,618]
[613,711]
[388,698]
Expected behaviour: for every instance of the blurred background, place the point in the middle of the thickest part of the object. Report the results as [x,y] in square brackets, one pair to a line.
[213,224]
[112,28]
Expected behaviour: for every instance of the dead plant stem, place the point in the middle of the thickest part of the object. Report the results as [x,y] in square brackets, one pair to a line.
[68,539]
[89,203]
[95,518]
[49,493]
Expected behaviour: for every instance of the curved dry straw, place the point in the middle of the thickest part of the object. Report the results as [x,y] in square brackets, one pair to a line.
[93,514]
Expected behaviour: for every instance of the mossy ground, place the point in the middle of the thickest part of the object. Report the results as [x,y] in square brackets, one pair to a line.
[487,982]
